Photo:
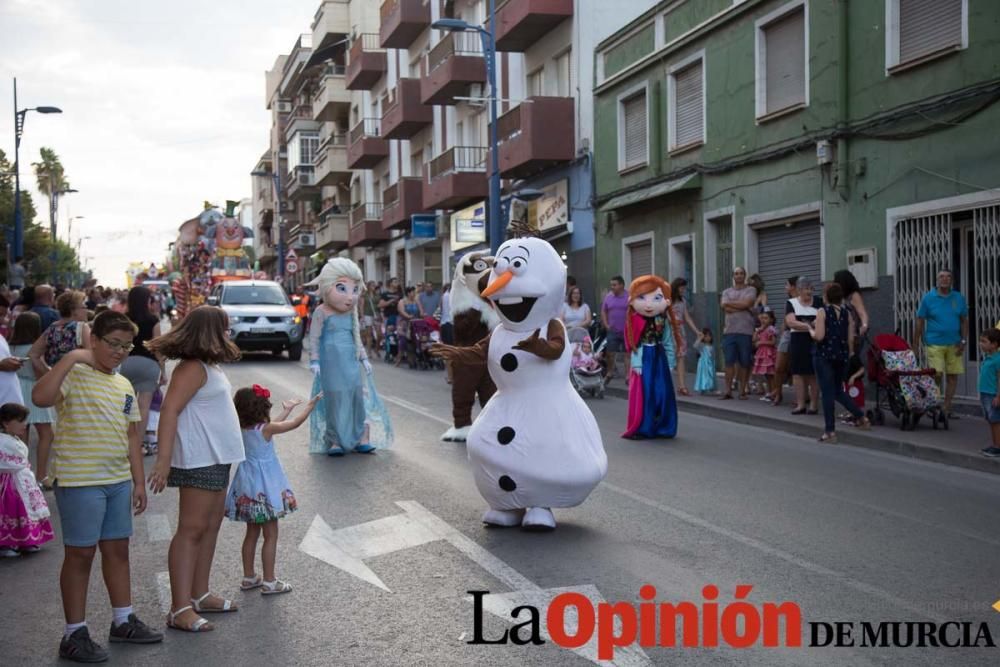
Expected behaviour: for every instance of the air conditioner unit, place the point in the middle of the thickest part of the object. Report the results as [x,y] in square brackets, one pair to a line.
[307,239]
[284,106]
[477,93]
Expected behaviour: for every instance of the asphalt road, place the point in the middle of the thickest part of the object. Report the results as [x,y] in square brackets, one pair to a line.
[847,534]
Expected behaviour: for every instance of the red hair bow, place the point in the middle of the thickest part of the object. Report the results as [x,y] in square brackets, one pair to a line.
[263,392]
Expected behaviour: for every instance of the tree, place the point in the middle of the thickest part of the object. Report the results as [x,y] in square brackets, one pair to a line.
[50,173]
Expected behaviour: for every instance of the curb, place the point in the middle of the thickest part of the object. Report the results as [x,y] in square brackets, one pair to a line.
[852,438]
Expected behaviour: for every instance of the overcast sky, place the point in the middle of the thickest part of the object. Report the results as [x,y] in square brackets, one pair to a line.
[163,108]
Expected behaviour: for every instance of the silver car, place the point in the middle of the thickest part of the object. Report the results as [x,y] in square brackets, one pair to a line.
[260,316]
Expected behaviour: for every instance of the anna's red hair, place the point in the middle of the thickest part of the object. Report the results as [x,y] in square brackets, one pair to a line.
[644,285]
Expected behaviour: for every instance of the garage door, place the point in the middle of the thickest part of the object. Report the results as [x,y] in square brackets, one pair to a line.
[783,252]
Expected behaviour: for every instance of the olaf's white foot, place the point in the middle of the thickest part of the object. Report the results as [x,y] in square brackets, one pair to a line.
[448,435]
[503,518]
[538,519]
[460,434]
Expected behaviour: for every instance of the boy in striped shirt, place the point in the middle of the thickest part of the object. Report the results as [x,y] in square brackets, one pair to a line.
[98,481]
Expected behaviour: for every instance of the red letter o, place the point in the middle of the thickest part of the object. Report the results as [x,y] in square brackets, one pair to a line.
[555,620]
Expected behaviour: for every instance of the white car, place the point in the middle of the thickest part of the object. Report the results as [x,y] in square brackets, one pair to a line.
[261,316]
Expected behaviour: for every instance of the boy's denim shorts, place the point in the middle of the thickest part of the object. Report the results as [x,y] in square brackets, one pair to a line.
[92,514]
[991,413]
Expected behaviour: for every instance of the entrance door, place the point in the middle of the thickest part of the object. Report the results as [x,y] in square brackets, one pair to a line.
[784,251]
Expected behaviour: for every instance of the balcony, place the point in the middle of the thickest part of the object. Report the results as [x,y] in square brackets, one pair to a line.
[521,23]
[366,148]
[402,21]
[453,65]
[332,233]
[456,178]
[366,225]
[331,21]
[301,182]
[331,94]
[367,62]
[402,199]
[405,114]
[530,141]
[301,120]
[331,161]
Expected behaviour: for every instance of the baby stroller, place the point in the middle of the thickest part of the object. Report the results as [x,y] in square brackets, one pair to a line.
[901,386]
[423,334]
[586,381]
[390,342]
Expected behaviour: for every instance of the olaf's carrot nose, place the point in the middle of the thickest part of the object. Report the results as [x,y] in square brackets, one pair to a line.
[497,284]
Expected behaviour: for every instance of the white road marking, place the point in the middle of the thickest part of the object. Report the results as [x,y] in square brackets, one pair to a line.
[157,527]
[163,588]
[422,411]
[765,548]
[346,549]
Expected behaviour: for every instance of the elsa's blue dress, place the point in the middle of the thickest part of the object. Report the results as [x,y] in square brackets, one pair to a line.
[350,402]
[705,379]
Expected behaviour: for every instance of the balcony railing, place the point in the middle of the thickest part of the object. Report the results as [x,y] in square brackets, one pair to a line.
[390,195]
[366,41]
[368,127]
[458,159]
[454,44]
[333,139]
[364,212]
[367,62]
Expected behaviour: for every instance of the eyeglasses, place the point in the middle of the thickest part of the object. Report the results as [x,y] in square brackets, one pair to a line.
[118,346]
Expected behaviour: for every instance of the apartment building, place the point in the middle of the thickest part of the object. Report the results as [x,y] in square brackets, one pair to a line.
[422,129]
[800,137]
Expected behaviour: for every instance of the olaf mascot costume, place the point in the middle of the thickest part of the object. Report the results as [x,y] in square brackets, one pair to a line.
[351,416]
[535,445]
[473,319]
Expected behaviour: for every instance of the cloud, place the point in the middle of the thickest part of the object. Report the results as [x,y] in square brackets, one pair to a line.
[163,108]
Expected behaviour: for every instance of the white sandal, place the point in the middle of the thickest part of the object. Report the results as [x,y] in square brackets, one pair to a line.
[227,606]
[275,587]
[250,583]
[200,625]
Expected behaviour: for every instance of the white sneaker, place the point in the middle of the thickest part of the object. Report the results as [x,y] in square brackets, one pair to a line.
[9,553]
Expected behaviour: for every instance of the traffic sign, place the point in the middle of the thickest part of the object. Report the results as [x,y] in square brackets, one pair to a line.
[291,266]
[291,256]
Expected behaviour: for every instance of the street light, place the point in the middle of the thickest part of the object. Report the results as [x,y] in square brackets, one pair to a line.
[19,115]
[490,52]
[276,177]
[69,227]
[53,213]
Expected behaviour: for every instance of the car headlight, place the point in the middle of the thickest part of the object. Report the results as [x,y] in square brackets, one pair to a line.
[234,319]
[293,320]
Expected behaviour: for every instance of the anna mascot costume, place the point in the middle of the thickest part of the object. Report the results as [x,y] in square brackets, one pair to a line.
[651,340]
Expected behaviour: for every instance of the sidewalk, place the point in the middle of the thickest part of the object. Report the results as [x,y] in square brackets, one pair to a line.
[959,446]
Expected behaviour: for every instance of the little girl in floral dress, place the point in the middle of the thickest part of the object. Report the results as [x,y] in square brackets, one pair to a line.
[260,494]
[765,337]
[24,514]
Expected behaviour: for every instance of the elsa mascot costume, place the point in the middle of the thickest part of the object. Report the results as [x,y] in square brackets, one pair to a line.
[351,415]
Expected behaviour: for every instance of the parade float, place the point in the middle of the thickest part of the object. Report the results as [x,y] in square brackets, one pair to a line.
[209,250]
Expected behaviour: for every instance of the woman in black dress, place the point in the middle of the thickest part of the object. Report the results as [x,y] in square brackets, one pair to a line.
[143,368]
[800,313]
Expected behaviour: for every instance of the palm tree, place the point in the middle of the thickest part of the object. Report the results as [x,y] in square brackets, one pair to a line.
[50,173]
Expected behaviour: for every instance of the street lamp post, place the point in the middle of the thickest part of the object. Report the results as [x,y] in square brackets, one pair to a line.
[19,115]
[276,177]
[79,260]
[53,214]
[496,224]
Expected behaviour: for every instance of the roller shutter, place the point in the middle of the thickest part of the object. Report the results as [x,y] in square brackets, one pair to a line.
[640,259]
[788,251]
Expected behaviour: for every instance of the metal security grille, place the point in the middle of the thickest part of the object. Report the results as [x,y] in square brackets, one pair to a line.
[923,247]
[928,26]
[783,252]
[784,61]
[634,110]
[986,230]
[723,253]
[640,259]
[688,101]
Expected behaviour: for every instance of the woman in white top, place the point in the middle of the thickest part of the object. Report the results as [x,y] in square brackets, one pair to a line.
[199,440]
[575,313]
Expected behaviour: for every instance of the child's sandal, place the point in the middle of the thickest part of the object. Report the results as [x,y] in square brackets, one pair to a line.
[275,587]
[227,606]
[200,625]
[250,583]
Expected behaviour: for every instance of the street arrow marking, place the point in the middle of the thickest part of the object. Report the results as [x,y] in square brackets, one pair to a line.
[347,548]
[996,605]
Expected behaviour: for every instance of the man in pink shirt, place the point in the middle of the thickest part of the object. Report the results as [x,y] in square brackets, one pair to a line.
[613,311]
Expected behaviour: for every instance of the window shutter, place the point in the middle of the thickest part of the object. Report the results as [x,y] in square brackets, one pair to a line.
[641,259]
[784,56]
[635,129]
[927,26]
[689,101]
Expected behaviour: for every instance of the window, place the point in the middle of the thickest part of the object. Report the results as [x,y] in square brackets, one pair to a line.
[782,72]
[536,83]
[633,146]
[417,163]
[637,256]
[918,30]
[564,75]
[302,149]
[432,265]
[686,100]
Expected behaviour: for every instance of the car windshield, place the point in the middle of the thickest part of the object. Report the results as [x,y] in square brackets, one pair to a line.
[254,295]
